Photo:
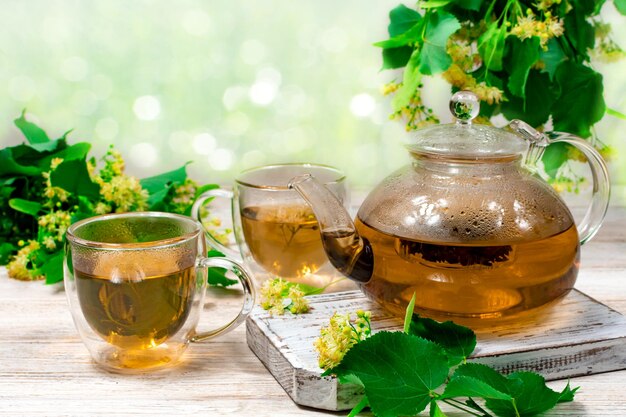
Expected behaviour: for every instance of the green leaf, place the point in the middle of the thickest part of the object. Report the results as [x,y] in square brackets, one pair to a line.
[567,394]
[401,19]
[6,252]
[531,397]
[520,57]
[581,102]
[536,107]
[9,166]
[469,4]
[162,181]
[53,268]
[410,82]
[24,206]
[435,411]
[433,4]
[491,47]
[73,177]
[433,57]
[457,341]
[579,31]
[620,5]
[306,289]
[467,386]
[398,372]
[485,374]
[160,186]
[85,209]
[396,57]
[33,133]
[408,315]
[554,156]
[203,189]
[217,276]
[552,57]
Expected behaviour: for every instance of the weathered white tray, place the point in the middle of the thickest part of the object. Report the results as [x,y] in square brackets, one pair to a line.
[577,336]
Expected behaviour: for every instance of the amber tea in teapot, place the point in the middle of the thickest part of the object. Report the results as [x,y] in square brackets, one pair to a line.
[468,227]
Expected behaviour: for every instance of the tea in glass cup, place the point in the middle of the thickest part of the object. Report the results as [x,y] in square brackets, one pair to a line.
[276,231]
[136,284]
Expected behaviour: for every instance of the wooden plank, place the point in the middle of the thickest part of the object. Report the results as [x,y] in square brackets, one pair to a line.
[576,336]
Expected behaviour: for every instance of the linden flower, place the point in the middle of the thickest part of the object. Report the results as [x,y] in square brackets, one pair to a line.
[18,267]
[124,193]
[339,337]
[527,27]
[278,295]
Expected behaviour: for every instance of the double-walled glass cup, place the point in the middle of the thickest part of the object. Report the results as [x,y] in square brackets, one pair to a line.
[276,231]
[136,283]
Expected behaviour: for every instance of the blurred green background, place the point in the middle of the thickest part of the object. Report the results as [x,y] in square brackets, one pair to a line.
[227,84]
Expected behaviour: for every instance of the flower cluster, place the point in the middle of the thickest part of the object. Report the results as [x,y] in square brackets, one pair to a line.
[340,335]
[528,26]
[278,295]
[415,114]
[120,192]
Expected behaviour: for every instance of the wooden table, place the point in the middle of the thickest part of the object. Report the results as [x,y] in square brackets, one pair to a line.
[46,371]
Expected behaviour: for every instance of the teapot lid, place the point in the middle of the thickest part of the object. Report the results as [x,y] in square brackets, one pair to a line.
[463,139]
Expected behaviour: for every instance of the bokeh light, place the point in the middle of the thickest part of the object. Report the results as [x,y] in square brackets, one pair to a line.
[225,86]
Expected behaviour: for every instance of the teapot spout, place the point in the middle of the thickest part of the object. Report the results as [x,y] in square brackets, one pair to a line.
[350,253]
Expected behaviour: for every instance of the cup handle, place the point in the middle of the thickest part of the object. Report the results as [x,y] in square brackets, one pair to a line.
[601,192]
[195,212]
[248,294]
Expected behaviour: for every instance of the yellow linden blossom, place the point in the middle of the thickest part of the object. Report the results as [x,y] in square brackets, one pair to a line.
[49,243]
[125,193]
[51,192]
[339,337]
[56,223]
[459,78]
[18,267]
[275,293]
[527,27]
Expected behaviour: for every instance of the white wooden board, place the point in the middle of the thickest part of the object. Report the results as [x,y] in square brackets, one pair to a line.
[576,336]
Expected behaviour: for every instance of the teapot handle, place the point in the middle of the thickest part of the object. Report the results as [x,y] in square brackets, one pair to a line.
[601,185]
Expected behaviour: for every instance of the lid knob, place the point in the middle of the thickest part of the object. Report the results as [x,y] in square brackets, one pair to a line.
[464,106]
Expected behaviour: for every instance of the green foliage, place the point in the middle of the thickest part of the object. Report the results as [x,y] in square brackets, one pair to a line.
[403,373]
[433,56]
[45,185]
[457,341]
[528,60]
[392,367]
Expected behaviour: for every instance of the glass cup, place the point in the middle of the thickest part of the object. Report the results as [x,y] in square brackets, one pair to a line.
[276,231]
[136,283]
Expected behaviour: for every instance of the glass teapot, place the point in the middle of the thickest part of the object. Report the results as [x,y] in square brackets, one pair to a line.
[468,226]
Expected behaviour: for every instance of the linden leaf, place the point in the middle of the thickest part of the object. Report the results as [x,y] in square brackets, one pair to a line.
[457,341]
[466,386]
[567,394]
[491,47]
[520,57]
[25,206]
[435,411]
[620,5]
[530,393]
[217,276]
[398,372]
[485,374]
[433,57]
[579,31]
[401,19]
[537,103]
[552,57]
[581,102]
[33,133]
[396,57]
[410,82]
[73,177]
